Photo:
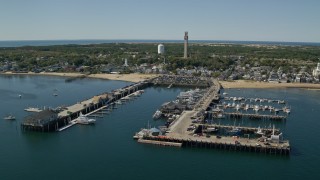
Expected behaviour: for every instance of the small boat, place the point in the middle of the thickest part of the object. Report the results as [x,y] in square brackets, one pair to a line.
[82,119]
[118,102]
[256,108]
[54,94]
[259,131]
[286,110]
[20,96]
[225,93]
[10,117]
[32,109]
[212,129]
[237,107]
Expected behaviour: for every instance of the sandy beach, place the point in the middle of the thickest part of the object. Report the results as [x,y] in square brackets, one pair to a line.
[254,84]
[135,77]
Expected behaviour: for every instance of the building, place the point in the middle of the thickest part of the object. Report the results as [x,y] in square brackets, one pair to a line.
[161,49]
[186,37]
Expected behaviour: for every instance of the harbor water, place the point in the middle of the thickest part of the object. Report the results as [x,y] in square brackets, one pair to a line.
[106,150]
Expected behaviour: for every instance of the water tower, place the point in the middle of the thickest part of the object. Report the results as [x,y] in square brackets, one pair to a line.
[161,49]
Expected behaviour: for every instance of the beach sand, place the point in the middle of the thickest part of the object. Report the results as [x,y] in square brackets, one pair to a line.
[254,84]
[135,77]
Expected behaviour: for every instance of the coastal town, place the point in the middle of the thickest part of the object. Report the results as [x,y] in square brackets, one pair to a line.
[226,62]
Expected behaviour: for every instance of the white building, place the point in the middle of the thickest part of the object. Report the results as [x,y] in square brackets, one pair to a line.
[160,49]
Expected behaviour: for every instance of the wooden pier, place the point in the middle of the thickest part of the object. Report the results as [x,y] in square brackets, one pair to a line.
[224,144]
[49,121]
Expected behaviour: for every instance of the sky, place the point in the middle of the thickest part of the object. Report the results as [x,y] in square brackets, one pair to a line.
[240,20]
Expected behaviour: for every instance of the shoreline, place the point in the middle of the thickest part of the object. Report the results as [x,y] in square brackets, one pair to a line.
[134,77]
[243,84]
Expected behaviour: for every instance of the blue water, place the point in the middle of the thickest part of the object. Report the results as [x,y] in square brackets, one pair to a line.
[85,42]
[107,150]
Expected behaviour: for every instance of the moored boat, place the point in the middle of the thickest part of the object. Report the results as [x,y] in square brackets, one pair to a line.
[10,117]
[82,119]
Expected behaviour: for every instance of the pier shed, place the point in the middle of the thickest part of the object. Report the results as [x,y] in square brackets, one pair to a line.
[40,121]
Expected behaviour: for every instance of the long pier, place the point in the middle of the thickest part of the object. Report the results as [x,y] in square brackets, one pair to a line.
[225,143]
[48,121]
[211,95]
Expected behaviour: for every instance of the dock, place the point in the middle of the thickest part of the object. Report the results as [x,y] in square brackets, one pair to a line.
[178,130]
[178,133]
[238,115]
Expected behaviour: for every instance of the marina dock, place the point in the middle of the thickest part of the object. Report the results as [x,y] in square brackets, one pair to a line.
[178,131]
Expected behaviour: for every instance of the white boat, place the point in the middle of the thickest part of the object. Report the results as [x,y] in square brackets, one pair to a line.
[225,93]
[259,131]
[212,129]
[256,108]
[157,114]
[274,137]
[237,107]
[82,119]
[286,110]
[10,117]
[54,94]
[118,102]
[246,107]
[32,109]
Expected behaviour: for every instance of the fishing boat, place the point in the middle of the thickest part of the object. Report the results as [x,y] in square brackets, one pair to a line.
[10,117]
[82,119]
